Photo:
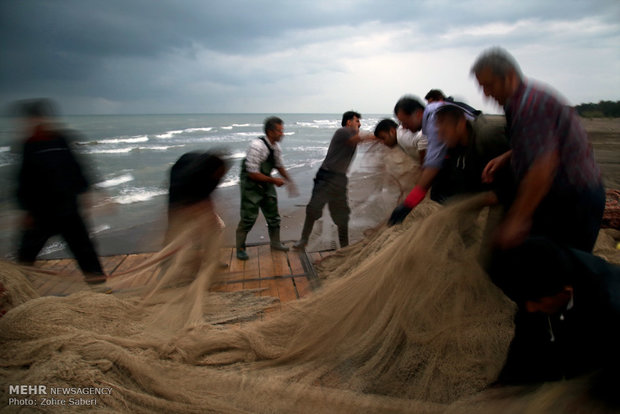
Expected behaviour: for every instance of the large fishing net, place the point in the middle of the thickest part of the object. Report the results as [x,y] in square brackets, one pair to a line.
[411,324]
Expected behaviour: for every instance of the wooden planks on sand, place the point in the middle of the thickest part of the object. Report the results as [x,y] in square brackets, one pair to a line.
[287,276]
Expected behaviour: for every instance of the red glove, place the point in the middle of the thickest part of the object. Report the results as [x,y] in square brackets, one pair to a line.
[415,197]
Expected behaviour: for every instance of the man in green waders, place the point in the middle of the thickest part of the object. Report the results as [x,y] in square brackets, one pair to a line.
[258,187]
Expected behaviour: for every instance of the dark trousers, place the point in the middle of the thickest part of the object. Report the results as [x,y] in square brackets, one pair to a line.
[254,197]
[331,189]
[71,227]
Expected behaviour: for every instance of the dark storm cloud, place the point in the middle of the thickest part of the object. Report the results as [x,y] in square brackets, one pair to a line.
[139,50]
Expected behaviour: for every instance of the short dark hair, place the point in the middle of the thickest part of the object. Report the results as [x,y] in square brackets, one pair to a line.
[408,104]
[271,122]
[435,95]
[385,125]
[349,115]
[449,112]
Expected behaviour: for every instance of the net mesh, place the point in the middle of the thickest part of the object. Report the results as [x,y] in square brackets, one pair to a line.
[405,321]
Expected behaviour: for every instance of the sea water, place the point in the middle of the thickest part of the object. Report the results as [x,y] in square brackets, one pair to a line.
[129,159]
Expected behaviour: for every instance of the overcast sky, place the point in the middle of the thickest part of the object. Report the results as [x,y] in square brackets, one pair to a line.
[328,56]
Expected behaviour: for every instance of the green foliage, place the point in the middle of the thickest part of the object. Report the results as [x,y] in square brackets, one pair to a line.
[603,109]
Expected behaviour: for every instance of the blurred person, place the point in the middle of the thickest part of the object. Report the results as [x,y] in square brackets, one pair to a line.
[193,177]
[471,145]
[568,313]
[413,116]
[560,191]
[258,187]
[434,95]
[50,181]
[330,183]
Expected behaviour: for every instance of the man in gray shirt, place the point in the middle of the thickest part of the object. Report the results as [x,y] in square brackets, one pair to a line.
[330,183]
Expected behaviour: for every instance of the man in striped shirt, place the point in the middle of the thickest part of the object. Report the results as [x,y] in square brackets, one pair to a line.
[258,187]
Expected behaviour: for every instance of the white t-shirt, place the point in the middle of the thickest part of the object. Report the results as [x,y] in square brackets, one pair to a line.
[411,142]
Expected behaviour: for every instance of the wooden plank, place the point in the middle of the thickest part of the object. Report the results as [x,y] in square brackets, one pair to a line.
[286,289]
[302,287]
[295,263]
[251,269]
[265,261]
[280,263]
[110,263]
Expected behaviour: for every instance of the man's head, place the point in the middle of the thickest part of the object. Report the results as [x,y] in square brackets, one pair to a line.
[409,111]
[435,95]
[351,119]
[451,125]
[498,74]
[386,132]
[538,275]
[274,128]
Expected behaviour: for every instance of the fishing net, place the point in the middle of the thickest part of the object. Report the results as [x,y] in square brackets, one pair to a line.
[412,325]
[379,179]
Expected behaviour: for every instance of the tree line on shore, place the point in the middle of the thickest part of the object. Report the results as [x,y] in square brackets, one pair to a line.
[603,109]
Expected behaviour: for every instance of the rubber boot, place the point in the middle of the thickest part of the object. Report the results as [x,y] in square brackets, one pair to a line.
[274,237]
[305,234]
[343,236]
[240,243]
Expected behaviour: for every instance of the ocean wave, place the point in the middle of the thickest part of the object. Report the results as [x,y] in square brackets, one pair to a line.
[246,125]
[137,195]
[112,182]
[169,134]
[53,247]
[235,155]
[248,134]
[227,127]
[110,151]
[308,148]
[130,140]
[319,123]
[229,182]
[204,129]
[5,149]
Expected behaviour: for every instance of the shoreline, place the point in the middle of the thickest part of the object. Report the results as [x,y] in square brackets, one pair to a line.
[146,235]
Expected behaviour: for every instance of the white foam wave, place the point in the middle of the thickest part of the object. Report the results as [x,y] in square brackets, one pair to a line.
[112,182]
[319,123]
[111,151]
[53,247]
[5,149]
[137,195]
[169,134]
[205,129]
[235,156]
[227,127]
[132,140]
[229,182]
[247,134]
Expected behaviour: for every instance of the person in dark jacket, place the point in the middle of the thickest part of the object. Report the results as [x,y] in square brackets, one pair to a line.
[49,183]
[568,315]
